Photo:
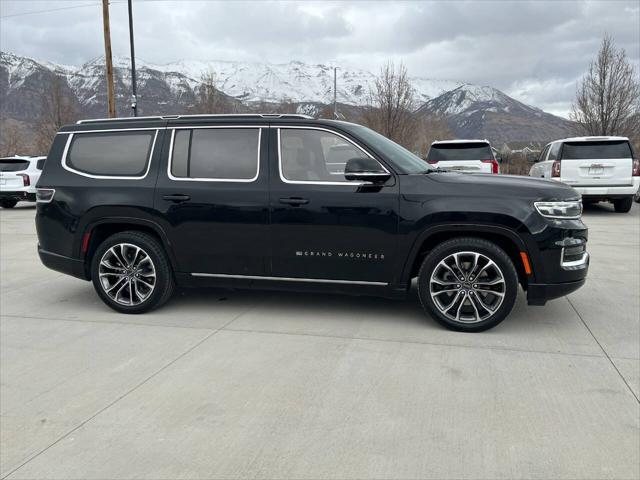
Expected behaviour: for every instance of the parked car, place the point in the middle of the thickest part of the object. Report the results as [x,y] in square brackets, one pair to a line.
[473,156]
[600,168]
[141,205]
[18,178]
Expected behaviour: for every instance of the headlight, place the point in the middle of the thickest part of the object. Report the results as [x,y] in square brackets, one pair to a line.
[566,210]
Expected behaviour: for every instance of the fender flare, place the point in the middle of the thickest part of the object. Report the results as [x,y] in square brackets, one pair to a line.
[459,227]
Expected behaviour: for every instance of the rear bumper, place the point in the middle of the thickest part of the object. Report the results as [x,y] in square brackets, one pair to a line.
[539,294]
[18,195]
[609,191]
[62,264]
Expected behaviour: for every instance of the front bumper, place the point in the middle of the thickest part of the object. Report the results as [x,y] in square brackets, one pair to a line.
[23,196]
[539,294]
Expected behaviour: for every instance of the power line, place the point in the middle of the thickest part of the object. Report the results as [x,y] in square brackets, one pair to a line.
[33,12]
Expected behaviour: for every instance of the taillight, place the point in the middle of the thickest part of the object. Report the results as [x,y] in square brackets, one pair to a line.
[555,169]
[26,181]
[635,171]
[495,168]
[432,162]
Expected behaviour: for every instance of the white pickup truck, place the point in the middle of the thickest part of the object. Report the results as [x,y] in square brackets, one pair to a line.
[600,168]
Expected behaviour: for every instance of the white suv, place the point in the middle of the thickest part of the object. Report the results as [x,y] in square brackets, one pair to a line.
[600,168]
[472,156]
[18,178]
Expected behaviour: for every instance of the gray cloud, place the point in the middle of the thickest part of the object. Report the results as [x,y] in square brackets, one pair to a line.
[535,51]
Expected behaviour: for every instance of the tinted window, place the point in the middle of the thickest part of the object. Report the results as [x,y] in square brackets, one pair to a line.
[555,150]
[456,151]
[216,153]
[40,164]
[13,165]
[595,150]
[315,155]
[121,154]
[543,154]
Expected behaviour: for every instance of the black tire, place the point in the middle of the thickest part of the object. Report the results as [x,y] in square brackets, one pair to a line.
[164,281]
[623,205]
[8,203]
[505,270]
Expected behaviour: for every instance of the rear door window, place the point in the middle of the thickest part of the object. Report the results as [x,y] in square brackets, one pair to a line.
[596,150]
[13,165]
[111,154]
[40,164]
[216,154]
[459,152]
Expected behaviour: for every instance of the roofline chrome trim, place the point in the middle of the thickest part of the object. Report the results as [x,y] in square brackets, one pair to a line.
[108,177]
[210,115]
[288,279]
[311,182]
[230,180]
[104,130]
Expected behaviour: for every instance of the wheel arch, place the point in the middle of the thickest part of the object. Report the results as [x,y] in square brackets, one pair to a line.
[103,228]
[504,237]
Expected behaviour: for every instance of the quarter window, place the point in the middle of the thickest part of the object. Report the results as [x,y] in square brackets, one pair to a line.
[555,150]
[216,154]
[119,154]
[315,155]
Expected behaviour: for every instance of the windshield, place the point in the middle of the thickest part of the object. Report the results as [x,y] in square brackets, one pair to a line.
[400,157]
[458,152]
[596,150]
[13,165]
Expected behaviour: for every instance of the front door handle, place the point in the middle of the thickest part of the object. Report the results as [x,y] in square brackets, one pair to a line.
[295,201]
[177,197]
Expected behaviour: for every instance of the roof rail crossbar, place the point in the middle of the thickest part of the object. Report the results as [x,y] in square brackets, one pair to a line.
[211,115]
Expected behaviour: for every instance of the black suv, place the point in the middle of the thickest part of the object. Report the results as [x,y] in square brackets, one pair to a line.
[140,205]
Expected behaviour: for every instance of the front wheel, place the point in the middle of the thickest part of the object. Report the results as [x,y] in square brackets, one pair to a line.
[623,205]
[131,272]
[468,284]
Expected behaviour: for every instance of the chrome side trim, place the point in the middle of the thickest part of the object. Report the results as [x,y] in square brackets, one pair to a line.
[192,179]
[109,177]
[288,279]
[104,130]
[311,182]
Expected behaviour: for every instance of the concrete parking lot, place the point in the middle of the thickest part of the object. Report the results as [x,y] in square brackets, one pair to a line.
[235,384]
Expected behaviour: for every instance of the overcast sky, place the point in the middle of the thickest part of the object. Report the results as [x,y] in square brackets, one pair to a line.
[533,50]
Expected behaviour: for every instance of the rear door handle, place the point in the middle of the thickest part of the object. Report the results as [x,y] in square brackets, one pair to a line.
[295,201]
[177,197]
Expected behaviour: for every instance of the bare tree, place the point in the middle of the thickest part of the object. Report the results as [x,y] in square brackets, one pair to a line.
[391,104]
[608,98]
[57,108]
[209,99]
[11,140]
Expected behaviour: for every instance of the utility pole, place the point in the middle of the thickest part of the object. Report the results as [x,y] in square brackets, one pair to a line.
[134,97]
[107,57]
[335,92]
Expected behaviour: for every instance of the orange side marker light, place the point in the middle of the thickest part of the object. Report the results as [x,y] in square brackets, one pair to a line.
[525,262]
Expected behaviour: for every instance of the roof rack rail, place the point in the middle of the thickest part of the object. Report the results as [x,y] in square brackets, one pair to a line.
[210,115]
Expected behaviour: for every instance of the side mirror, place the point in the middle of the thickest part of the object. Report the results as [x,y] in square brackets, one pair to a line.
[365,169]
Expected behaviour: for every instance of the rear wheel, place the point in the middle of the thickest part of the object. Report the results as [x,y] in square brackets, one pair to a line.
[131,272]
[623,205]
[468,284]
[8,203]
[636,197]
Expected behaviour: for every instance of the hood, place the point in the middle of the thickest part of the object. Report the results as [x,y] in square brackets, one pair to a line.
[506,185]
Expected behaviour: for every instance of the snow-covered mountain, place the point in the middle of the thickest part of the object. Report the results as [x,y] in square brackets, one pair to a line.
[247,82]
[473,111]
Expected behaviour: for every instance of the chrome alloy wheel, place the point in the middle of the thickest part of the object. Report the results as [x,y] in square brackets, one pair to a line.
[127,274]
[467,287]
